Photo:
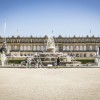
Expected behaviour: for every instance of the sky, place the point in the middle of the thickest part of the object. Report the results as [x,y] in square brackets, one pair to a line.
[49,17]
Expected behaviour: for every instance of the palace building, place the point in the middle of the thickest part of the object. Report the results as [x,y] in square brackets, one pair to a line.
[82,47]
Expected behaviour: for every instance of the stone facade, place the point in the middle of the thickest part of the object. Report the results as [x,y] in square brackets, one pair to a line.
[77,46]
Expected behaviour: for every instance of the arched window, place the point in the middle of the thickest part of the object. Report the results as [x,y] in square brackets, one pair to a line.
[81,48]
[41,48]
[64,48]
[77,48]
[71,47]
[15,47]
[34,48]
[67,48]
[38,48]
[21,47]
[84,48]
[29,48]
[90,47]
[25,48]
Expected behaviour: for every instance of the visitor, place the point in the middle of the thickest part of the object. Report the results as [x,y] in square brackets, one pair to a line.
[26,61]
[58,61]
[37,62]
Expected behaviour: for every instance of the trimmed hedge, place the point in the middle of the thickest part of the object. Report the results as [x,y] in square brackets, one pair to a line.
[84,61]
[15,61]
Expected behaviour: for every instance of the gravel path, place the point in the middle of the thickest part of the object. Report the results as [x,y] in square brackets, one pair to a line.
[50,84]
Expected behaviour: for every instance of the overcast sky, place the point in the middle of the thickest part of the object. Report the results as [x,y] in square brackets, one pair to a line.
[40,17]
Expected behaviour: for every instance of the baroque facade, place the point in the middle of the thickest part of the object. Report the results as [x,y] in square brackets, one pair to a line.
[77,46]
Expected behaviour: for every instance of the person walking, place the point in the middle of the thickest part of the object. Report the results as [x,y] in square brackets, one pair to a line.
[58,61]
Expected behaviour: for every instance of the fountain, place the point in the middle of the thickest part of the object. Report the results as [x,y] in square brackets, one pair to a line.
[3,51]
[97,59]
[49,58]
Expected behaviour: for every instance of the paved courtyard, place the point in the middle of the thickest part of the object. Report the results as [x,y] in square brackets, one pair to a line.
[50,84]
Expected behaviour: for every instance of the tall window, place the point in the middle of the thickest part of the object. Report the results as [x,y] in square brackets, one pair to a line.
[41,48]
[15,47]
[29,48]
[90,47]
[71,48]
[64,48]
[84,48]
[77,48]
[38,48]
[21,47]
[81,48]
[67,48]
[34,48]
[25,48]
